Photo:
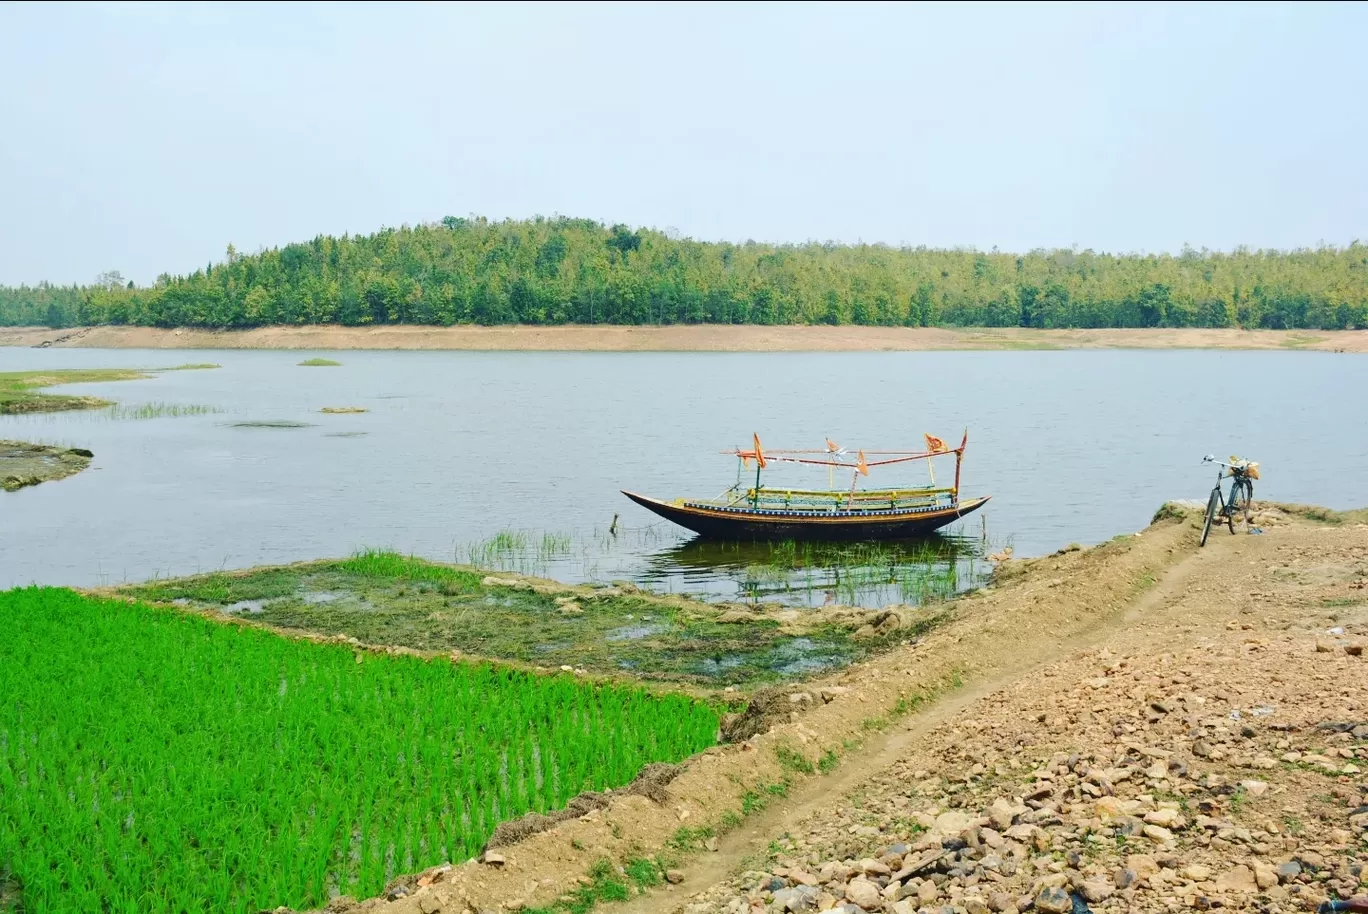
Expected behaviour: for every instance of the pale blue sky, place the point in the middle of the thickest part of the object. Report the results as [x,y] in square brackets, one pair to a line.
[147,137]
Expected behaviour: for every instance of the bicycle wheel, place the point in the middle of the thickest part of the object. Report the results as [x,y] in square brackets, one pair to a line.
[1212,502]
[1239,503]
[1249,504]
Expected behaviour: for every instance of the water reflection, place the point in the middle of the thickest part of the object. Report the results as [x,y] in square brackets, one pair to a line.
[818,574]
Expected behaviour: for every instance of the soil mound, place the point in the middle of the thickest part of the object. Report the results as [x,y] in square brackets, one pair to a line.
[650,783]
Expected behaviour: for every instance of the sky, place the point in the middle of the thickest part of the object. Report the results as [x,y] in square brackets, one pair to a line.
[146,138]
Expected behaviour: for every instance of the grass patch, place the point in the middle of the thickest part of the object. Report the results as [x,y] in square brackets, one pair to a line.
[234,770]
[191,366]
[828,762]
[343,410]
[686,838]
[644,872]
[19,389]
[319,363]
[792,760]
[605,883]
[159,411]
[1167,511]
[386,564]
[222,588]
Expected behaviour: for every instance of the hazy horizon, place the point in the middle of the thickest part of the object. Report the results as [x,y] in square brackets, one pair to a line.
[146,138]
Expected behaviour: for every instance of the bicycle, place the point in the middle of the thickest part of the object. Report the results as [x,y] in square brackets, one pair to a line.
[1242,474]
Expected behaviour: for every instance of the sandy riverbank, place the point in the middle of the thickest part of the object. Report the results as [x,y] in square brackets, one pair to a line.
[700,338]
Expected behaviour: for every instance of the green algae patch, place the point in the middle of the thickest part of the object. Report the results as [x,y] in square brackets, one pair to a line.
[319,363]
[23,464]
[384,598]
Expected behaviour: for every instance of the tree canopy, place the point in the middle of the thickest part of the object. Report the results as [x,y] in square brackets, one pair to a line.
[562,270]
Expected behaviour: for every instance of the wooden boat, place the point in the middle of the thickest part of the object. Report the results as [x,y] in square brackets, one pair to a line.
[761,512]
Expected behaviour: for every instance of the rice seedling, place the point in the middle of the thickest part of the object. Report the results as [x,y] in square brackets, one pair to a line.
[319,363]
[155,760]
[159,410]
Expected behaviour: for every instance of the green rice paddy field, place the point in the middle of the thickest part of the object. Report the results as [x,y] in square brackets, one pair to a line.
[154,760]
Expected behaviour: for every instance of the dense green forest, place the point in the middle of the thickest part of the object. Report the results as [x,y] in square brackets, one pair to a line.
[559,270]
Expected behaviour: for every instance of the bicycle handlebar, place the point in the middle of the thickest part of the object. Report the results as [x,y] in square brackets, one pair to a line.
[1233,466]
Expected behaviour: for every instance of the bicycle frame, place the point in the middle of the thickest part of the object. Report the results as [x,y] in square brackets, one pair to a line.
[1218,505]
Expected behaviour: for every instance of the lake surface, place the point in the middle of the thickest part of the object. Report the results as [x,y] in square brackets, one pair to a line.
[1074,446]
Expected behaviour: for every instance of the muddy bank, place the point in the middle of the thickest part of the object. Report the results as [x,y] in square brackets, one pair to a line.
[700,338]
[23,464]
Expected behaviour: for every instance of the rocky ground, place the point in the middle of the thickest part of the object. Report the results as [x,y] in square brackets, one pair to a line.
[1209,756]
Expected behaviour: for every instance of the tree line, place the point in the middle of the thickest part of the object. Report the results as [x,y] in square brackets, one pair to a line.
[561,270]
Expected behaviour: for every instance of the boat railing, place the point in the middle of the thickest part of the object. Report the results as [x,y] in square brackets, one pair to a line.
[820,499]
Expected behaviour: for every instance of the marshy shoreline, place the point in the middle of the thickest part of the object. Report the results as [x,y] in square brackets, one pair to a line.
[680,338]
[24,464]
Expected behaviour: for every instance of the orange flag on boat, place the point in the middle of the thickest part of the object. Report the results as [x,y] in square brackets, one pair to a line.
[759,454]
[861,465]
[935,445]
[833,447]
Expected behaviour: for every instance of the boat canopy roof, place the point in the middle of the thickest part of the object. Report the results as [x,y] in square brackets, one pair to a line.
[832,455]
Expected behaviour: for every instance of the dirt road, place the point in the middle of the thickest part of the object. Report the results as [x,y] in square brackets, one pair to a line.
[701,338]
[1145,724]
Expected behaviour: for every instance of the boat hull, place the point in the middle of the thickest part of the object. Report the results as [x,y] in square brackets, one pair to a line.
[745,523]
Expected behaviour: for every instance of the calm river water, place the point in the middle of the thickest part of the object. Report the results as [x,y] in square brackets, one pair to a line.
[456,447]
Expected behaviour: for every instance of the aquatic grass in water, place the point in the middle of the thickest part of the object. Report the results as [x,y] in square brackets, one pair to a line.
[271,423]
[154,760]
[514,550]
[159,410]
[191,366]
[319,363]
